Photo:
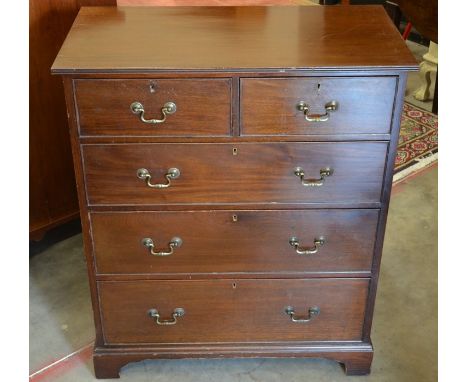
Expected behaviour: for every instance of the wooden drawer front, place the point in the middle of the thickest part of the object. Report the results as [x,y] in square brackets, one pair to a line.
[233,310]
[210,173]
[234,241]
[268,106]
[203,107]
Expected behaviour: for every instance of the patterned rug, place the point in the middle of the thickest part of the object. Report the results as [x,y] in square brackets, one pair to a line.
[418,142]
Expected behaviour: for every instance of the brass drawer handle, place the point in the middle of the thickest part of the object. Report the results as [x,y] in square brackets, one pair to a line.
[329,107]
[294,242]
[168,108]
[172,173]
[174,243]
[324,172]
[313,312]
[177,312]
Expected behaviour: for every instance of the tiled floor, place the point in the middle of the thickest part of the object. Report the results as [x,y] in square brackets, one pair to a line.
[405,322]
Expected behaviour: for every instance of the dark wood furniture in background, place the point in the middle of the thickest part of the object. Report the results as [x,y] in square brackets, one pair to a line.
[423,14]
[52,189]
[249,221]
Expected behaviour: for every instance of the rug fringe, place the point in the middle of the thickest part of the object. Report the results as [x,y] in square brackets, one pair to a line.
[422,162]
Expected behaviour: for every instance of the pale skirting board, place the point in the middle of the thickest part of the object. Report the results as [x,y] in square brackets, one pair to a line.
[422,162]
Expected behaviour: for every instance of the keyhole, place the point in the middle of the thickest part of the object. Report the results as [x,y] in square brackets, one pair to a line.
[234,218]
[234,285]
[234,151]
[318,87]
[152,88]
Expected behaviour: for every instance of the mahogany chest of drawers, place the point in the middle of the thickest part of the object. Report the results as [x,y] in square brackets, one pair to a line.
[234,169]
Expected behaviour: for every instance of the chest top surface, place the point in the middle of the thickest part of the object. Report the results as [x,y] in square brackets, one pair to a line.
[142,39]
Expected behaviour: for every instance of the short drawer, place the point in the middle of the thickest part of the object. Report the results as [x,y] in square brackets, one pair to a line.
[189,107]
[357,105]
[227,310]
[234,241]
[234,173]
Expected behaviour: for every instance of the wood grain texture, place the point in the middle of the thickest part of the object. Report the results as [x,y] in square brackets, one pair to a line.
[203,107]
[205,38]
[216,242]
[84,214]
[356,357]
[234,295]
[210,173]
[387,190]
[211,2]
[52,191]
[233,310]
[269,106]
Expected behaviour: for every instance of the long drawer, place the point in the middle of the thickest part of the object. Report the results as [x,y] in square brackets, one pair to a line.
[130,174]
[233,310]
[189,107]
[333,105]
[234,241]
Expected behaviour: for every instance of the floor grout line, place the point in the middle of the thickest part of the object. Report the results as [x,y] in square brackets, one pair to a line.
[59,361]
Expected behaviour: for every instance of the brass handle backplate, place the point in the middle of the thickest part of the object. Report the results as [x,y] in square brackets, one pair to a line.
[172,173]
[168,108]
[324,172]
[294,242]
[313,312]
[175,242]
[329,107]
[176,313]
